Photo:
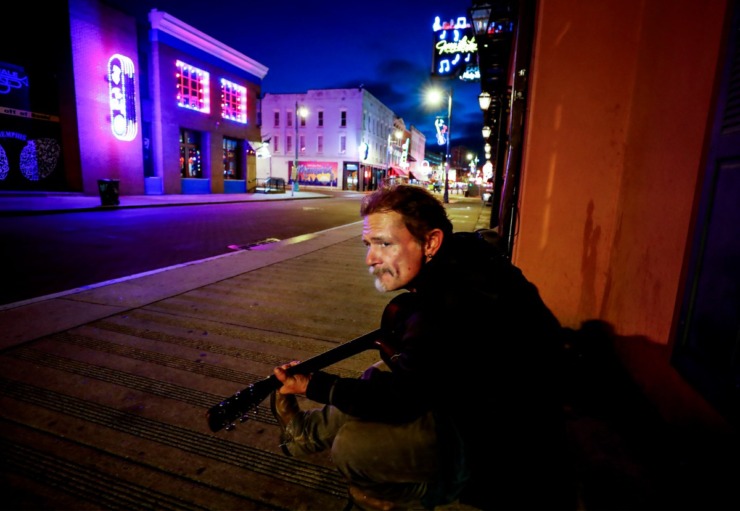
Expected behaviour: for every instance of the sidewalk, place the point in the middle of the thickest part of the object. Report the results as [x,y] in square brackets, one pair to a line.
[103,391]
[18,203]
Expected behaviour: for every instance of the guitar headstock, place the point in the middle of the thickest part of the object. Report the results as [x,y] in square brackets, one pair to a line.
[237,407]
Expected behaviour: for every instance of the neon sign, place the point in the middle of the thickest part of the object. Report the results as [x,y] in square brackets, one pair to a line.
[364,149]
[10,79]
[454,49]
[441,127]
[121,97]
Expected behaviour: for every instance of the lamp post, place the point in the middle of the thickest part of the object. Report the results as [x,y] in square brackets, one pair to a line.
[299,113]
[446,197]
[435,95]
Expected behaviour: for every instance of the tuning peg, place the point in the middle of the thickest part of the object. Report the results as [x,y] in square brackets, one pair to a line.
[230,427]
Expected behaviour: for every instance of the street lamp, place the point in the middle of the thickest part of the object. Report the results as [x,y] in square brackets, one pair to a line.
[480,14]
[263,151]
[484,100]
[436,95]
[299,113]
[473,159]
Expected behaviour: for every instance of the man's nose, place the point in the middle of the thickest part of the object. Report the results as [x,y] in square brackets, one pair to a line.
[370,258]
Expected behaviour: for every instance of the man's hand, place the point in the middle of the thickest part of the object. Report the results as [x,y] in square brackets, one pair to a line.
[292,384]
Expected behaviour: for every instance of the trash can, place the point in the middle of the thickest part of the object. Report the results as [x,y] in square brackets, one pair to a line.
[108,189]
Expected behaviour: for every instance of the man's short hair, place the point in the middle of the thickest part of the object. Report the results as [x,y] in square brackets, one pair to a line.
[421,210]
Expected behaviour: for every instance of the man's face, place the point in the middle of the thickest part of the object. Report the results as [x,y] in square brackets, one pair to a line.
[394,256]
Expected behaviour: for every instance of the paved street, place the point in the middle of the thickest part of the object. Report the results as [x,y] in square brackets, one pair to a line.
[51,253]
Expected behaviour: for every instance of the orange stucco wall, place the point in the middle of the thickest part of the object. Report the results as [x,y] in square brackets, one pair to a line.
[619,104]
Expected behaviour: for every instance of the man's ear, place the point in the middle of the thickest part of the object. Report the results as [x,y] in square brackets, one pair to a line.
[433,242]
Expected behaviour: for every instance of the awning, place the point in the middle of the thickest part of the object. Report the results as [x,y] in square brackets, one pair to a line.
[396,171]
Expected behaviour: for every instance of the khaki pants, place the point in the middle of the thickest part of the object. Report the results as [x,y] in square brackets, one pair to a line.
[392,462]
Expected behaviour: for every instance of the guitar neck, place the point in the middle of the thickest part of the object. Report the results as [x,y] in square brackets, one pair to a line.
[345,350]
[235,407]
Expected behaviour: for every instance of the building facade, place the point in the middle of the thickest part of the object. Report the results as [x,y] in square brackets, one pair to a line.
[344,138]
[154,104]
[204,112]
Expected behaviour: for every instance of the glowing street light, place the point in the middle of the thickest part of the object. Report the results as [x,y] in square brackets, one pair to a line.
[484,100]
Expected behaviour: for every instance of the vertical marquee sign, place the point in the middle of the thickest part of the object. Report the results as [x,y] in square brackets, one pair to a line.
[121,97]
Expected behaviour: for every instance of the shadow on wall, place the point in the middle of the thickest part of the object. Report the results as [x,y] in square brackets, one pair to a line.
[626,455]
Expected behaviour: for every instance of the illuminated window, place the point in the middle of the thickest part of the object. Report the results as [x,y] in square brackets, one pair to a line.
[275,144]
[193,88]
[276,119]
[121,97]
[343,144]
[321,119]
[320,144]
[233,101]
[288,143]
[231,158]
[190,154]
[302,143]
[343,121]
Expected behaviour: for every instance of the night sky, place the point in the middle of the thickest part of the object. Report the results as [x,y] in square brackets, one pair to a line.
[383,45]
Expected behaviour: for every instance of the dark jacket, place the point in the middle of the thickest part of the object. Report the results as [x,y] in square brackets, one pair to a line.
[476,345]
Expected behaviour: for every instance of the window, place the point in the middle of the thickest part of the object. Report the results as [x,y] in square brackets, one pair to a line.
[276,119]
[320,144]
[193,89]
[343,121]
[190,156]
[275,144]
[289,119]
[321,119]
[231,158]
[302,143]
[288,144]
[343,144]
[233,101]
[303,121]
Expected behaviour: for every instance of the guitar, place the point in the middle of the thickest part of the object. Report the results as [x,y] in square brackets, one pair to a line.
[237,407]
